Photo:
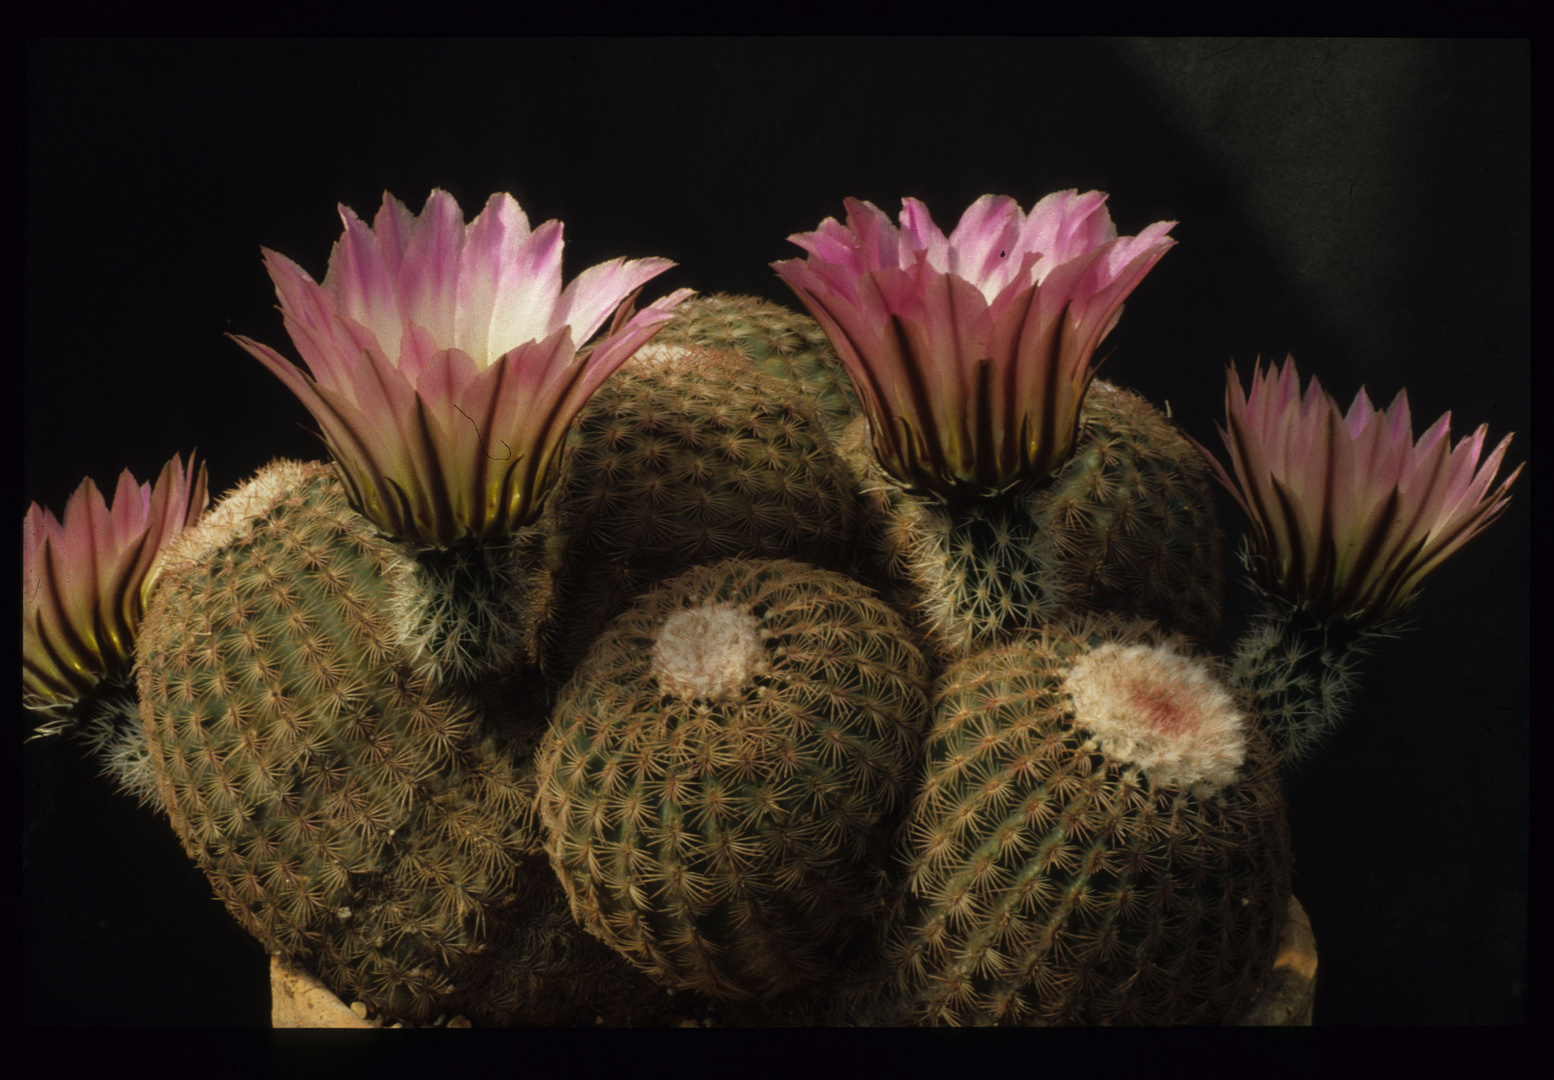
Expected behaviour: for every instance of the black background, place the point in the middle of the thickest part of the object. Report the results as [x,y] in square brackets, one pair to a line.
[1364,205]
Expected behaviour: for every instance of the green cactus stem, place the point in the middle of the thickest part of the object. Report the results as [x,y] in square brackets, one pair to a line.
[1301,673]
[722,775]
[681,459]
[354,817]
[112,735]
[770,337]
[1100,838]
[473,610]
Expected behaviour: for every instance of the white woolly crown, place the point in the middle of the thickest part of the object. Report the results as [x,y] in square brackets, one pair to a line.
[710,651]
[1166,713]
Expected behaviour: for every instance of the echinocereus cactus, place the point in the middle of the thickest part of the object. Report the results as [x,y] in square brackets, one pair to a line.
[721,775]
[444,369]
[1000,496]
[353,816]
[85,584]
[1347,515]
[1100,837]
[443,360]
[331,676]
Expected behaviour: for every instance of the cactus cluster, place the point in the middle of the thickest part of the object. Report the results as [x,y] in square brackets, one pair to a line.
[847,669]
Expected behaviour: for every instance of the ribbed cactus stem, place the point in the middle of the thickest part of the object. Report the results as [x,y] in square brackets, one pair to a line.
[1099,837]
[354,816]
[686,456]
[721,776]
[1302,674]
[780,342]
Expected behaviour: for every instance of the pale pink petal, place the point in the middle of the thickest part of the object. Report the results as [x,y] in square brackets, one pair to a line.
[1361,512]
[528,304]
[309,311]
[985,244]
[1152,241]
[493,241]
[362,277]
[438,349]
[833,243]
[1065,225]
[595,294]
[617,348]
[972,353]
[920,237]
[878,242]
[428,273]
[86,580]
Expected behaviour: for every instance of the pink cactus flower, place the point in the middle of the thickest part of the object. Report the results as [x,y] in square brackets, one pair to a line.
[444,359]
[1347,513]
[86,580]
[972,353]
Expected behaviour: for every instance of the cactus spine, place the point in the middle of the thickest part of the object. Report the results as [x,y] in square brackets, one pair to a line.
[1100,838]
[1127,524]
[473,610]
[721,775]
[112,735]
